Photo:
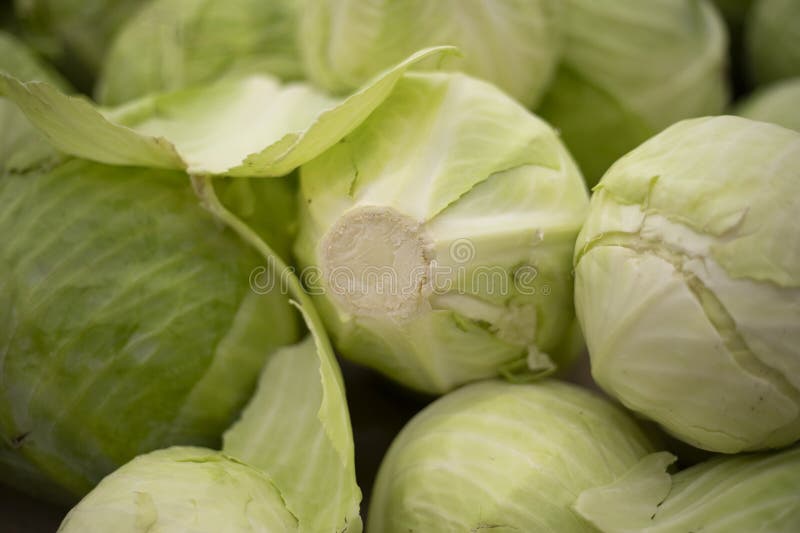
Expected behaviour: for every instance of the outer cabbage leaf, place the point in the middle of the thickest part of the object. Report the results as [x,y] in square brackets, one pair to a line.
[171,44]
[514,44]
[250,127]
[688,279]
[630,69]
[452,211]
[503,457]
[745,493]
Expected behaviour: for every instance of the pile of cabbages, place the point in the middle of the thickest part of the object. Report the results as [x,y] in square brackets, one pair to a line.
[204,202]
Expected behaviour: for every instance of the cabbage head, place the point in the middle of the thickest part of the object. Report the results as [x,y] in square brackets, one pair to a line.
[630,69]
[127,321]
[514,44]
[688,283]
[171,44]
[436,236]
[503,457]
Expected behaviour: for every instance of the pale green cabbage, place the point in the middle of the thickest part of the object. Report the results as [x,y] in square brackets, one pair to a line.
[514,44]
[772,36]
[503,457]
[778,103]
[744,493]
[688,283]
[182,489]
[171,44]
[631,68]
[453,211]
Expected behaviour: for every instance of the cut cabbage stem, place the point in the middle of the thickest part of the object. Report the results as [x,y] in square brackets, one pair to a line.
[376,260]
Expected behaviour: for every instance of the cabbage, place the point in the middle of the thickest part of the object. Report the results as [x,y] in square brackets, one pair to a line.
[171,44]
[772,36]
[744,493]
[778,103]
[286,465]
[127,322]
[630,69]
[514,44]
[437,236]
[688,283]
[20,145]
[503,457]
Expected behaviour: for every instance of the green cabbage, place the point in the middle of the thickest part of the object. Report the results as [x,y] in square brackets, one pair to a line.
[744,493]
[437,236]
[514,44]
[778,103]
[688,283]
[286,465]
[171,44]
[503,457]
[127,322]
[772,36]
[630,69]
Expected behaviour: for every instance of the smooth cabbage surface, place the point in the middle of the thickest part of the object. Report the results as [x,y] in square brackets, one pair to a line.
[688,283]
[503,457]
